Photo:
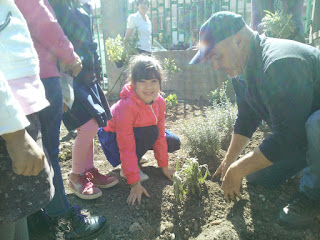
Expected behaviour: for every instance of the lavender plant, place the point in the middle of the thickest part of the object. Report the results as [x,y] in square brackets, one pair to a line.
[204,134]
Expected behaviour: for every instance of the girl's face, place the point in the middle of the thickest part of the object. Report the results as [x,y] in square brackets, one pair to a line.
[147,89]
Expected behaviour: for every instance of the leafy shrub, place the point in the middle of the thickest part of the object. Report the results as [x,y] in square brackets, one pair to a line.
[115,48]
[119,49]
[170,66]
[278,25]
[188,179]
[171,100]
[205,134]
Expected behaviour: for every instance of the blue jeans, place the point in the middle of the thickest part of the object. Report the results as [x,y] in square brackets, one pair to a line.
[145,137]
[50,119]
[280,171]
[310,180]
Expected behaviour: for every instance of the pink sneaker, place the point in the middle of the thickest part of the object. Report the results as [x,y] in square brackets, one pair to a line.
[102,181]
[82,186]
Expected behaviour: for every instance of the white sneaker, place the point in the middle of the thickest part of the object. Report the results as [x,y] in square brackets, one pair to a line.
[142,175]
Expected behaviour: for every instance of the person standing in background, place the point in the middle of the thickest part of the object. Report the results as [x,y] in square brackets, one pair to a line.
[140,22]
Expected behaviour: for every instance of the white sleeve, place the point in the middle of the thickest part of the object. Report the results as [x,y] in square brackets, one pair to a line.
[131,23]
[12,117]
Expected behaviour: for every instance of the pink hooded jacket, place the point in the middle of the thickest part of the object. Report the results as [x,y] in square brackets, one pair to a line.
[47,35]
[131,112]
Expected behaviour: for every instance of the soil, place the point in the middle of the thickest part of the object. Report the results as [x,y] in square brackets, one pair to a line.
[201,217]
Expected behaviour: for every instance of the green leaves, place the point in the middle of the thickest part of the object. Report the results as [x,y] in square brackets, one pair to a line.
[188,180]
[115,48]
[171,101]
[119,49]
[170,66]
[278,25]
[205,134]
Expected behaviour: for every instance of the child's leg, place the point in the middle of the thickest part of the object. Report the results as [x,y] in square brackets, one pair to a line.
[82,154]
[145,138]
[108,141]
[173,141]
[82,160]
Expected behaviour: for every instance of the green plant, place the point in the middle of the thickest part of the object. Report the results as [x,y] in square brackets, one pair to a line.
[171,100]
[164,40]
[115,48]
[119,49]
[205,134]
[170,66]
[188,179]
[219,95]
[278,25]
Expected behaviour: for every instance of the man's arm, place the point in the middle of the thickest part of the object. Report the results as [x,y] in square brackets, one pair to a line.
[246,165]
[237,145]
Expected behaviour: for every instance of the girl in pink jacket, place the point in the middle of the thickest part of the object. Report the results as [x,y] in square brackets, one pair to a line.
[138,125]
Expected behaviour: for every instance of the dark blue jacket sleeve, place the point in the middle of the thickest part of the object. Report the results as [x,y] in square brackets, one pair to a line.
[247,119]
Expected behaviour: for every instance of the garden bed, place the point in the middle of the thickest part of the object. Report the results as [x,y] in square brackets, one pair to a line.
[207,216]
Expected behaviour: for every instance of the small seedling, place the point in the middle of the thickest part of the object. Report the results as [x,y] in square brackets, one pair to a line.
[188,179]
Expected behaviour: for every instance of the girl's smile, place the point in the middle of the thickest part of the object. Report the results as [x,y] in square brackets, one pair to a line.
[147,89]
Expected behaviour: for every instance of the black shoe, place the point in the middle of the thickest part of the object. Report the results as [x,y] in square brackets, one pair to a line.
[38,225]
[74,225]
[300,213]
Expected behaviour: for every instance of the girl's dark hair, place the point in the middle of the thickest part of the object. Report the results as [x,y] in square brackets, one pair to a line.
[145,67]
[142,1]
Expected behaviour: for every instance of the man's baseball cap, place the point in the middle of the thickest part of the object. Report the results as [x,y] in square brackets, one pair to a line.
[218,27]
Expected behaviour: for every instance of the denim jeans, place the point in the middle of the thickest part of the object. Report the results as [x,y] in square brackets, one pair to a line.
[145,137]
[310,163]
[50,119]
[310,180]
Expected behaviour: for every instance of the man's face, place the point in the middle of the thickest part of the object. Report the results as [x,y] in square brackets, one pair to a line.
[225,57]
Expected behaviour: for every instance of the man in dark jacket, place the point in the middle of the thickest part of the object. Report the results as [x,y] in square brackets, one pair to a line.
[277,81]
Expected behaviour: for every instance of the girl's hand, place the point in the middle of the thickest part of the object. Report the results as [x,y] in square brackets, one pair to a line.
[168,172]
[136,192]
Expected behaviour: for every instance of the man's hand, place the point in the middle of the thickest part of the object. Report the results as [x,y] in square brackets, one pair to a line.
[231,183]
[136,193]
[223,168]
[232,180]
[27,157]
[168,172]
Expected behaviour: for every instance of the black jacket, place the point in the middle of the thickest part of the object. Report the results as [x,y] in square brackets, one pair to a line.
[77,23]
